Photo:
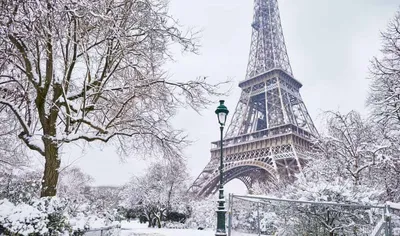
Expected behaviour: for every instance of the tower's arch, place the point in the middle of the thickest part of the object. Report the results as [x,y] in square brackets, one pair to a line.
[247,172]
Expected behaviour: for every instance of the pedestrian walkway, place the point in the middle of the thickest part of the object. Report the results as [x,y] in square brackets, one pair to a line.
[134,228]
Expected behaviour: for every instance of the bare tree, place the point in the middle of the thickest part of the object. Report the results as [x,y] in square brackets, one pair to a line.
[356,149]
[384,99]
[384,95]
[71,186]
[353,144]
[92,70]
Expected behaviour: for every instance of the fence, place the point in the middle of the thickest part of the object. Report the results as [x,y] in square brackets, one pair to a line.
[262,215]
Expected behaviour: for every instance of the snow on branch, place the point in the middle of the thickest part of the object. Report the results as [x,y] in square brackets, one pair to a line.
[17,114]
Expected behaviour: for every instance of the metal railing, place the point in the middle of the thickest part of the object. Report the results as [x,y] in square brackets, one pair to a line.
[374,220]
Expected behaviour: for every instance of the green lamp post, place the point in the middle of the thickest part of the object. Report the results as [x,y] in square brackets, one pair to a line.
[222,113]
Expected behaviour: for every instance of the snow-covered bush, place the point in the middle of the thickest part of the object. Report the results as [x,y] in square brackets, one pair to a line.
[100,199]
[19,187]
[22,218]
[57,217]
[82,223]
[244,216]
[202,213]
[42,216]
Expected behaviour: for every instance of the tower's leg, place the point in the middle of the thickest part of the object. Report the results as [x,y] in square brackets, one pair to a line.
[274,163]
[297,158]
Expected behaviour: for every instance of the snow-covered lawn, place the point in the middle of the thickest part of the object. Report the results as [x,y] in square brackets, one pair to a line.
[134,228]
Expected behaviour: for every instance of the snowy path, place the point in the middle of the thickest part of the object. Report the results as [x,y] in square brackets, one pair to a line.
[136,229]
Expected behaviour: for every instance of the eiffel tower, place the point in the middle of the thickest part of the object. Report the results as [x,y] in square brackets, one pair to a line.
[271,129]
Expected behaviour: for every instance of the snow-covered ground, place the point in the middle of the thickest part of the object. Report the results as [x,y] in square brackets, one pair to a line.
[134,228]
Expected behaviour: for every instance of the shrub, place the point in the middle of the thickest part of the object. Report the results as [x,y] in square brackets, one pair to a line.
[22,219]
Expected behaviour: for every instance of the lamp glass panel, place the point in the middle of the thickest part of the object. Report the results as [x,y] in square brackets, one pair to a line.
[222,118]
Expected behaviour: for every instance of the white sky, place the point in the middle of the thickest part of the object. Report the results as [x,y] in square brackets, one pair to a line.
[329,44]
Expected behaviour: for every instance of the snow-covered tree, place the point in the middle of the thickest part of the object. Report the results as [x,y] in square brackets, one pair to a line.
[358,150]
[384,99]
[72,186]
[92,71]
[161,189]
[103,200]
[387,174]
[352,146]
[384,95]
[73,180]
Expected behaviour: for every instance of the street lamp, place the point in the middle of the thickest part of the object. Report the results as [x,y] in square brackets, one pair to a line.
[222,113]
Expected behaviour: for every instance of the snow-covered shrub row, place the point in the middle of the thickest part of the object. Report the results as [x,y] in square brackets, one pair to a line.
[78,207]
[83,223]
[175,225]
[49,216]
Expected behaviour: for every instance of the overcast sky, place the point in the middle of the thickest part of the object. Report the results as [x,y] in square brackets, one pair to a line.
[329,44]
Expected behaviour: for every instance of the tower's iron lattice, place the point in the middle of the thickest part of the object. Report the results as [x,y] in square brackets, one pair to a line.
[271,130]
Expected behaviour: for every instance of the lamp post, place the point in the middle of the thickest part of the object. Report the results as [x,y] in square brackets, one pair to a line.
[222,113]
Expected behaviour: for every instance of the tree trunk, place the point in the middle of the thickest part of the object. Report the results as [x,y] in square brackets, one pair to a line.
[158,222]
[148,215]
[149,224]
[51,168]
